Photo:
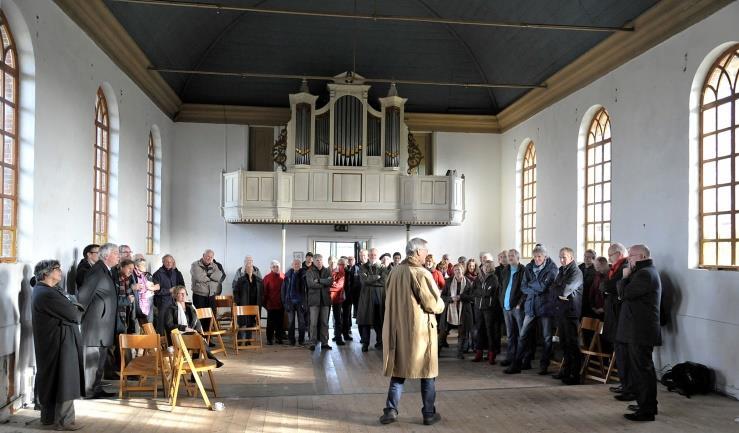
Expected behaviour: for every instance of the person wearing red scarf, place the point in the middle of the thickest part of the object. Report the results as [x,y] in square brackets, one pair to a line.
[618,257]
[273,302]
[337,293]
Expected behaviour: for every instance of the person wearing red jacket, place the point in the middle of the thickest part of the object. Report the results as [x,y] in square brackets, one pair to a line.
[338,295]
[438,276]
[272,301]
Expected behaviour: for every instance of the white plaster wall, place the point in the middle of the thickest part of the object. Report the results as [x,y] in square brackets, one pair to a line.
[648,100]
[69,68]
[204,150]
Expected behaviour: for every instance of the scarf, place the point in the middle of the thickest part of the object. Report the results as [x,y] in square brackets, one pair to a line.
[181,316]
[615,267]
[144,294]
[455,308]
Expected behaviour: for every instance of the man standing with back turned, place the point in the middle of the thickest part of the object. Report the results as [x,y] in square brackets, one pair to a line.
[410,349]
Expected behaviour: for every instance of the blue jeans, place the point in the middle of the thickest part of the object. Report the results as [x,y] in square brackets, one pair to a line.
[513,323]
[528,333]
[428,395]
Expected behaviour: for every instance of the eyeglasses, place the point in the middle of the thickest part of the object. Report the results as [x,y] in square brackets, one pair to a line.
[56,268]
[95,252]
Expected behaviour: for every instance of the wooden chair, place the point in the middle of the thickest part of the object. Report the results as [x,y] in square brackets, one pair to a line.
[594,355]
[224,311]
[256,330]
[149,365]
[214,331]
[184,364]
[148,329]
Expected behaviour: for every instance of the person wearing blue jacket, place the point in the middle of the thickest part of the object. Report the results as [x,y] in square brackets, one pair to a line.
[539,307]
[293,300]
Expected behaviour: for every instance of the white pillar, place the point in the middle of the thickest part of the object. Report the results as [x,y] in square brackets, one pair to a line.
[284,233]
[407,233]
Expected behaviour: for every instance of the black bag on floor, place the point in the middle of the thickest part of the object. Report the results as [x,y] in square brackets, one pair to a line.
[689,378]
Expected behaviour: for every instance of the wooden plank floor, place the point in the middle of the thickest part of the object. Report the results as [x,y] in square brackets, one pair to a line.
[289,389]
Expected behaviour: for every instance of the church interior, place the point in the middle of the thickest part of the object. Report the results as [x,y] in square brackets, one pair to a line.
[255,132]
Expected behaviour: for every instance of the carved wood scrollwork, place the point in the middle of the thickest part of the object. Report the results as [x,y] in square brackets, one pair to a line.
[279,150]
[414,154]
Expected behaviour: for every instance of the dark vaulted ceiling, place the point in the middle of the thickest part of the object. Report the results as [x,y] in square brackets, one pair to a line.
[237,41]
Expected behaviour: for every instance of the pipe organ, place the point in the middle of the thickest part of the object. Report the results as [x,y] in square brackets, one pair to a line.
[344,162]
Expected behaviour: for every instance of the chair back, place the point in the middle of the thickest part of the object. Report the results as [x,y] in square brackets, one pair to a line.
[136,341]
[148,329]
[591,324]
[246,310]
[204,313]
[224,301]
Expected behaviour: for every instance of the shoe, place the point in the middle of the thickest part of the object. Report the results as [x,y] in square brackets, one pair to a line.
[491,358]
[526,367]
[638,416]
[101,394]
[571,380]
[433,419]
[478,356]
[505,363]
[348,338]
[312,347]
[280,342]
[68,427]
[326,347]
[388,416]
[617,389]
[270,342]
[365,348]
[558,376]
[512,370]
[378,345]
[625,397]
[460,355]
[219,364]
[340,343]
[633,407]
[333,339]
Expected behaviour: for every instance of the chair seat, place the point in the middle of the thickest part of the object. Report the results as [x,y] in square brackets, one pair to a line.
[201,364]
[212,333]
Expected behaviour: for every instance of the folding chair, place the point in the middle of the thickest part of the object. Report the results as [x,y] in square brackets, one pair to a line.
[147,366]
[148,329]
[184,364]
[256,330]
[594,350]
[214,331]
[224,304]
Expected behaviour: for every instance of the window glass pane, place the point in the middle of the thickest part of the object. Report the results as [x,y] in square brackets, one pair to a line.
[606,211]
[724,226]
[709,120]
[724,144]
[724,254]
[724,116]
[598,151]
[709,146]
[607,191]
[709,253]
[709,227]
[723,200]
[606,233]
[607,171]
[723,171]
[709,173]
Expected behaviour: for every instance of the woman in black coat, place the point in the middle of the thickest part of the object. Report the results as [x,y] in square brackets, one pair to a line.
[56,318]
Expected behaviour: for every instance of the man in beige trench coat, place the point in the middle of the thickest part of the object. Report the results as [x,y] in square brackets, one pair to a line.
[409,332]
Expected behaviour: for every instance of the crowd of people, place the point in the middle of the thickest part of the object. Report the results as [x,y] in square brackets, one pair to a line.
[115,294]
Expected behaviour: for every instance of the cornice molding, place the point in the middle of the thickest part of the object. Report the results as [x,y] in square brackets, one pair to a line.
[99,23]
[233,114]
[451,122]
[663,20]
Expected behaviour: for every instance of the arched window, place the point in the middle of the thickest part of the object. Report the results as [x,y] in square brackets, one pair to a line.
[528,201]
[102,169]
[598,184]
[9,163]
[150,196]
[719,163]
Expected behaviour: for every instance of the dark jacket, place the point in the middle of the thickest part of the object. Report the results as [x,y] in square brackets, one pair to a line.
[81,272]
[537,289]
[487,292]
[641,293]
[293,288]
[60,373]
[517,296]
[588,277]
[568,284]
[353,282]
[372,294]
[612,303]
[248,292]
[167,278]
[499,272]
[170,320]
[318,283]
[98,296]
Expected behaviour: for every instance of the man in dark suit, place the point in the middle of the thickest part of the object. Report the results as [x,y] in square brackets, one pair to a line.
[638,326]
[98,296]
